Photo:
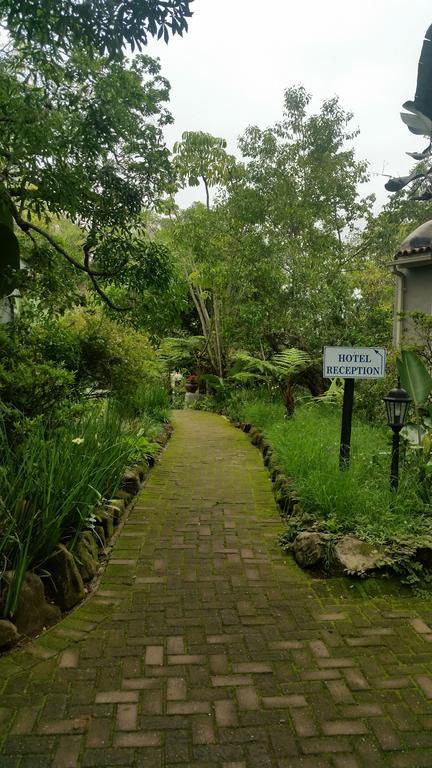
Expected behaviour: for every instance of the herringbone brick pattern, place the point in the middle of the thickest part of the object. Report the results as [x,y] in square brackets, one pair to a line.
[206,647]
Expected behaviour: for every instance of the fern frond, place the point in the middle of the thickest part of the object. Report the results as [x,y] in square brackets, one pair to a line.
[292,360]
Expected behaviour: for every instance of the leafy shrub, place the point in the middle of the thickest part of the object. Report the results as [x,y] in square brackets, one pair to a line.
[151,399]
[29,385]
[205,403]
[51,340]
[60,359]
[368,398]
[112,355]
[238,401]
[140,447]
[35,388]
[178,398]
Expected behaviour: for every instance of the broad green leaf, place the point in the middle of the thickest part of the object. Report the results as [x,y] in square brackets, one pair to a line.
[414,377]
[334,394]
[215,381]
[244,376]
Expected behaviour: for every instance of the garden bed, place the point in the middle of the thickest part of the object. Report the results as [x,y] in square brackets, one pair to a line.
[348,521]
[52,559]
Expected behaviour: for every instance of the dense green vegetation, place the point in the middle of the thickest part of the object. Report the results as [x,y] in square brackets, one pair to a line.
[63,447]
[82,161]
[117,287]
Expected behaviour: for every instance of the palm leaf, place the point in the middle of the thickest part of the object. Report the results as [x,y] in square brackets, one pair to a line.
[182,351]
[242,361]
[423,96]
[418,123]
[215,381]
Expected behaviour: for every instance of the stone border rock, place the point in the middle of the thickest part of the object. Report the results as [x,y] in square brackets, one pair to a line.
[314,546]
[71,573]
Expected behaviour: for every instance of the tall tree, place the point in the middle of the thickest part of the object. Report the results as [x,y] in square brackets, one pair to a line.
[202,157]
[305,175]
[233,280]
[39,62]
[279,250]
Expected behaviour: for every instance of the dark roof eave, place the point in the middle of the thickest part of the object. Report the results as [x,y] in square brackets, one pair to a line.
[411,260]
[419,241]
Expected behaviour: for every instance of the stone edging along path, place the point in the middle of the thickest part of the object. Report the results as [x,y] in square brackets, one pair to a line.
[205,647]
[313,546]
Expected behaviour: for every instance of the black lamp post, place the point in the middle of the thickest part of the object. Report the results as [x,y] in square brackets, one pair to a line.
[397,403]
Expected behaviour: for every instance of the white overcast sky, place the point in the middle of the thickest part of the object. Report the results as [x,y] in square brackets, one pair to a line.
[230,70]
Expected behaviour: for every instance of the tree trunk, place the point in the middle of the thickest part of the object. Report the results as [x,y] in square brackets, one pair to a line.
[287,388]
[204,318]
[313,380]
[207,193]
[218,337]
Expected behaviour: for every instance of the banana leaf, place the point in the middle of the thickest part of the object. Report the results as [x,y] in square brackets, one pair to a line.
[414,377]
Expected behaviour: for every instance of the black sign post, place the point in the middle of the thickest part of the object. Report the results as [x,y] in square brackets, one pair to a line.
[347,411]
[349,364]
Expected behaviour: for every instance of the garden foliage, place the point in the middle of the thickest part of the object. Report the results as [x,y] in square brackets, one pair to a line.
[358,500]
[118,288]
[63,450]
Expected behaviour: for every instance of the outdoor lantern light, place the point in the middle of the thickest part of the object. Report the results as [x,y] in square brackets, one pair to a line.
[397,403]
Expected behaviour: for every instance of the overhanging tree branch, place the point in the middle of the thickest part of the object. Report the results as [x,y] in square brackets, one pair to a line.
[27,227]
[97,287]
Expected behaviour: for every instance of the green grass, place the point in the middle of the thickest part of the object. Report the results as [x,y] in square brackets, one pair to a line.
[357,500]
[53,479]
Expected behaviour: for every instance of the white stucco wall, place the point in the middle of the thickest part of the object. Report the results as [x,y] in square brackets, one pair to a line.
[413,294]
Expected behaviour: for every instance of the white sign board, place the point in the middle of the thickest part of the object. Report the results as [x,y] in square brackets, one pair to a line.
[354,362]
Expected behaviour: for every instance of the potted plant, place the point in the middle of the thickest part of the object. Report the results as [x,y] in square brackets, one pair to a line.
[192,382]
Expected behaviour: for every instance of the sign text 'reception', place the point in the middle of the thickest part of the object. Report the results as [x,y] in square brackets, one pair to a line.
[354,362]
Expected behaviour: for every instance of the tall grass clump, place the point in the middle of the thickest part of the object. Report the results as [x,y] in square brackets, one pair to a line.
[357,500]
[50,483]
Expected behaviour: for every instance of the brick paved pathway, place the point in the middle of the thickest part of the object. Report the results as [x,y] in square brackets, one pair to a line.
[205,647]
